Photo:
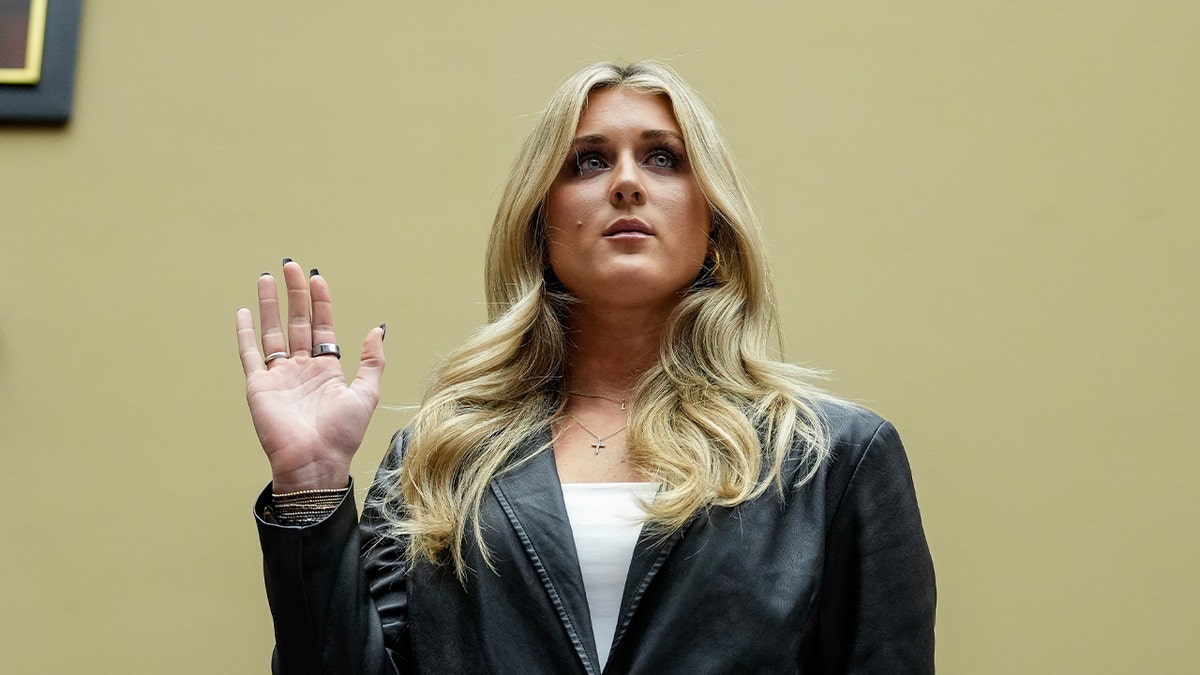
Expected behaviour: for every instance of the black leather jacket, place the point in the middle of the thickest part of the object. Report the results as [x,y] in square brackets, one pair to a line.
[833,577]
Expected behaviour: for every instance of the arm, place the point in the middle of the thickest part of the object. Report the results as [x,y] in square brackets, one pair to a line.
[337,591]
[325,621]
[310,422]
[879,596]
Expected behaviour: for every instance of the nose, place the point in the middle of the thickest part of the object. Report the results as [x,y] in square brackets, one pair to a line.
[628,184]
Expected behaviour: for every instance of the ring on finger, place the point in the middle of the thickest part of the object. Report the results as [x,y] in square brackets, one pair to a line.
[327,348]
[275,355]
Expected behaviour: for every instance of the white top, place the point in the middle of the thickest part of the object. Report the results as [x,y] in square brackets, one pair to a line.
[605,521]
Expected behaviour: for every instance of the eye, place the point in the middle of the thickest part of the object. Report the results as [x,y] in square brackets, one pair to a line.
[589,162]
[662,158]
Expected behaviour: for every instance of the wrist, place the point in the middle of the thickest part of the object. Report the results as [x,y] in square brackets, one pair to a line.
[310,478]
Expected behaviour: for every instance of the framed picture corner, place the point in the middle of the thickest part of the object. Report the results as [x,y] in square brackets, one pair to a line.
[39,42]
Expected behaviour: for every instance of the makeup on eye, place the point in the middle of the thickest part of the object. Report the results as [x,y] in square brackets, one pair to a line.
[589,158]
[669,158]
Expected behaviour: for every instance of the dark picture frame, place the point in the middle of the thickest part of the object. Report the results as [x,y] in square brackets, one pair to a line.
[48,101]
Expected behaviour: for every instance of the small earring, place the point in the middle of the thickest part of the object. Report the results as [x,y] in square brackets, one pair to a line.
[715,254]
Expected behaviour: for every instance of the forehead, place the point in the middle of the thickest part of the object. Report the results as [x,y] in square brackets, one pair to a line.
[610,111]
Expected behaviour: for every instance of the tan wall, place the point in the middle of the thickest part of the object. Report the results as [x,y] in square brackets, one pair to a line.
[984,219]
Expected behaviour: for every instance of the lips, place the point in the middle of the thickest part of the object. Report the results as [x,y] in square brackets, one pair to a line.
[630,227]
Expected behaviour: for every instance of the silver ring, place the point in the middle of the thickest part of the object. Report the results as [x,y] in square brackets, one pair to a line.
[275,355]
[326,348]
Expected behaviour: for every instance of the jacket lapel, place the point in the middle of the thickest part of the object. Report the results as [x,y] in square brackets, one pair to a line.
[649,556]
[531,497]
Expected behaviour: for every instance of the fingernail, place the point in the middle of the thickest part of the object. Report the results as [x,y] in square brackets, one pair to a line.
[287,260]
[384,327]
[265,274]
[313,272]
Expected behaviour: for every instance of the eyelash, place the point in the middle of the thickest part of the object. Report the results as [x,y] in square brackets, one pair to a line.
[658,150]
[669,152]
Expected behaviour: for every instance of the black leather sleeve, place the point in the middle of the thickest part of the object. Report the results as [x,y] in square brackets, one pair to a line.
[335,588]
[879,596]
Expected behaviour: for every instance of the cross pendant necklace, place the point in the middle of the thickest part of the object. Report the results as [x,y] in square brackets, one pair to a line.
[599,439]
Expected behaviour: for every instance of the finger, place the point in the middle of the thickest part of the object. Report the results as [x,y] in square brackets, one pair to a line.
[268,315]
[370,366]
[251,359]
[299,328]
[322,309]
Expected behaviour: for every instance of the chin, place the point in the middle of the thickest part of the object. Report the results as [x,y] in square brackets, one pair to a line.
[634,290]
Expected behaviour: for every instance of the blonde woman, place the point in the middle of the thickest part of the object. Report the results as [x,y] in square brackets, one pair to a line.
[614,474]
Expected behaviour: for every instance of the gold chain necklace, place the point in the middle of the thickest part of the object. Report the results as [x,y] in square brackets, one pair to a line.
[606,398]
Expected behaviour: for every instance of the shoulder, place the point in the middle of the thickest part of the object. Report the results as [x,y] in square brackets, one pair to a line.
[879,592]
[396,448]
[386,484]
[853,428]
[867,461]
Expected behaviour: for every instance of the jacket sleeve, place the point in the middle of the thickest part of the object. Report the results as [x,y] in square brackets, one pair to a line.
[879,595]
[337,592]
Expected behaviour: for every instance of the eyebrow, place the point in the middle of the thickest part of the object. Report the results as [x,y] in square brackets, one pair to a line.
[600,139]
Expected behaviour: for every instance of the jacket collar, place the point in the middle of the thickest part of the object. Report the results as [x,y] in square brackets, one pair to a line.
[531,496]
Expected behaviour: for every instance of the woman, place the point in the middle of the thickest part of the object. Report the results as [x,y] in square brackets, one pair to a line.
[613,474]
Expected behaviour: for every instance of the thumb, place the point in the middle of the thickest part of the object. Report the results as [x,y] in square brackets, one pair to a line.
[370,366]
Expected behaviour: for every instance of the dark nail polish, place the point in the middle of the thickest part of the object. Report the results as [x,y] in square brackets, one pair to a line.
[313,272]
[384,327]
[287,260]
[265,274]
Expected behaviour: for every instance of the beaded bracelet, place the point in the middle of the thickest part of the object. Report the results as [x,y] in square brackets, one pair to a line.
[297,493]
[304,507]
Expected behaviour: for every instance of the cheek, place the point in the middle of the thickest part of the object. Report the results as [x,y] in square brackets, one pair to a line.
[557,248]
[693,240]
[561,229]
[565,203]
[690,199]
[562,248]
[702,232]
[558,218]
[699,250]
[700,220]
[555,202]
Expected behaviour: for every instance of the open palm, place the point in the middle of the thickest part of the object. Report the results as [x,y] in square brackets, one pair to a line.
[309,420]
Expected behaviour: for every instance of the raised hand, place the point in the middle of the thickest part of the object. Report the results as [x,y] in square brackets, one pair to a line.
[309,420]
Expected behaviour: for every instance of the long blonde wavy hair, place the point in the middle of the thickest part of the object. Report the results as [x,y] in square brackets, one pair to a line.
[712,421]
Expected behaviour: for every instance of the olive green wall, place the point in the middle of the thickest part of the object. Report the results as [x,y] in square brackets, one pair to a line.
[983,217]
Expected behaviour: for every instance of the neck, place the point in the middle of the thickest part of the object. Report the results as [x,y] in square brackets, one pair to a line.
[609,351]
